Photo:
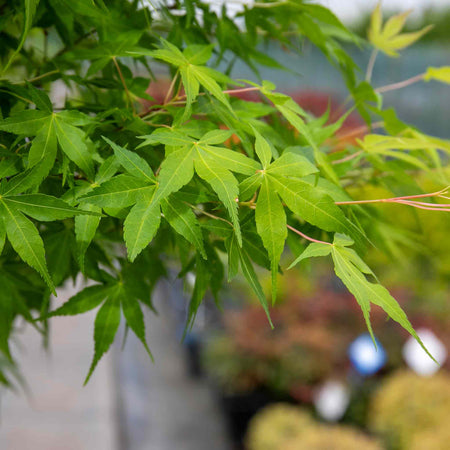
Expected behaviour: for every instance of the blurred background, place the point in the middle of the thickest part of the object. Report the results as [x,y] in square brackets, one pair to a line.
[314,382]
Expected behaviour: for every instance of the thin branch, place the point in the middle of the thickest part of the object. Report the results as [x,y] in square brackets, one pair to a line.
[347,158]
[44,75]
[170,90]
[124,84]
[359,130]
[212,216]
[409,200]
[400,84]
[308,238]
[229,91]
[394,199]
[371,63]
[430,208]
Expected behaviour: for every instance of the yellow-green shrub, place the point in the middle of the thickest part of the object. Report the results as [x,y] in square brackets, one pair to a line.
[276,426]
[288,427]
[409,410]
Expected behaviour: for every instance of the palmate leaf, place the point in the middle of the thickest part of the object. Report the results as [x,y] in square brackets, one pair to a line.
[25,240]
[271,225]
[366,292]
[113,297]
[313,250]
[388,38]
[192,74]
[213,164]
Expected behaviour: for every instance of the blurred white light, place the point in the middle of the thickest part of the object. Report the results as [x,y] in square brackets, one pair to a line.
[416,357]
[331,400]
[365,357]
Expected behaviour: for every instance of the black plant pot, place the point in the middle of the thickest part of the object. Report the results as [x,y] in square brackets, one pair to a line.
[240,408]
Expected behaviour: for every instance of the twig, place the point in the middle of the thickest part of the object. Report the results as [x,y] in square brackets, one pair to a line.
[169,91]
[347,158]
[400,84]
[371,63]
[408,200]
[124,84]
[308,238]
[212,216]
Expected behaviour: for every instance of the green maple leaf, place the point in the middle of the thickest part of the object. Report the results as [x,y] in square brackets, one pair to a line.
[114,297]
[50,129]
[211,163]
[193,73]
[23,234]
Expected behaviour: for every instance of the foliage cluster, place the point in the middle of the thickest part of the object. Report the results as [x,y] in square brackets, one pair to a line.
[80,180]
[406,398]
[283,426]
[313,332]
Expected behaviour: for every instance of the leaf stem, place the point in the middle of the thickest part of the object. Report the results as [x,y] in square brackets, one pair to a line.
[400,84]
[212,216]
[308,238]
[371,64]
[170,90]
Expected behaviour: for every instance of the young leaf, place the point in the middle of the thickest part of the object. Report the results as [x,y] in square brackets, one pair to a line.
[25,240]
[313,250]
[271,225]
[366,292]
[388,39]
[438,73]
[105,328]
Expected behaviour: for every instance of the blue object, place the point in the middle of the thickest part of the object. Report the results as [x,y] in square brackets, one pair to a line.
[366,359]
